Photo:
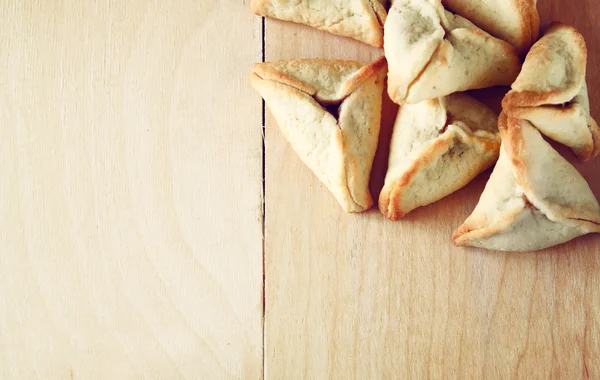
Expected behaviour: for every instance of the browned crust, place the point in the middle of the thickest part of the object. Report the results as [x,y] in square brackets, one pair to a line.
[254,79]
[516,98]
[530,23]
[517,103]
[351,169]
[529,20]
[266,71]
[256,6]
[595,138]
[585,153]
[379,15]
[389,200]
[474,229]
[378,12]
[351,166]
[512,136]
[526,99]
[441,57]
[257,82]
[391,196]
[525,112]
[479,228]
[592,149]
[364,73]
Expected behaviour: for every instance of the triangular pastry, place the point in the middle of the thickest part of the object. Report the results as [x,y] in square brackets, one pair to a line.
[432,53]
[551,91]
[534,199]
[359,19]
[330,112]
[515,21]
[438,146]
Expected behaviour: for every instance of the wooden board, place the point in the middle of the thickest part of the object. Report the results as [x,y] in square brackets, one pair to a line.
[359,297]
[131,220]
[130,190]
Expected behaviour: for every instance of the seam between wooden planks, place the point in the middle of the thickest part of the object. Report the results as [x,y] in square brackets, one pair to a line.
[264,284]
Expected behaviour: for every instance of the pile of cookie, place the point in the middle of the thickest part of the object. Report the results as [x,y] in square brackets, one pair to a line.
[330,112]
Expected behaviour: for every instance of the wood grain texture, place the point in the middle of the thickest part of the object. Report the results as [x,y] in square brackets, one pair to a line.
[359,297]
[130,190]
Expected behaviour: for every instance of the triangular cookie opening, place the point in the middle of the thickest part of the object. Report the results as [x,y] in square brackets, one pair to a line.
[333,109]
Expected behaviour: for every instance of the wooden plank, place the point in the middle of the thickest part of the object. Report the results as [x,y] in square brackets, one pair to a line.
[359,297]
[130,190]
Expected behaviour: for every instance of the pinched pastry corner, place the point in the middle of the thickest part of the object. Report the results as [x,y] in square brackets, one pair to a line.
[514,21]
[362,20]
[432,53]
[551,91]
[438,146]
[330,112]
[535,199]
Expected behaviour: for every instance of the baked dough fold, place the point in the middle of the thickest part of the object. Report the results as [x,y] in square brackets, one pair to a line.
[330,112]
[551,92]
[359,19]
[535,199]
[514,21]
[432,53]
[438,146]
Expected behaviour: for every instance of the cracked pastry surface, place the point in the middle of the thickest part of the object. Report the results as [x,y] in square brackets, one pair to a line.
[551,91]
[359,19]
[432,53]
[330,112]
[535,199]
[438,146]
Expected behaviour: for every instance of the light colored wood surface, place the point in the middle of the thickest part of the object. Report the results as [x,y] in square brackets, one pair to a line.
[359,297]
[131,220]
[130,190]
